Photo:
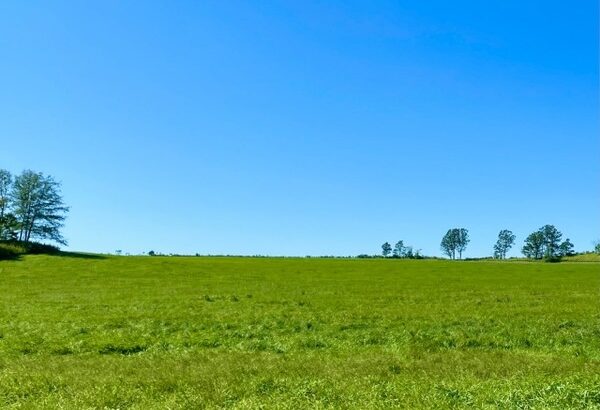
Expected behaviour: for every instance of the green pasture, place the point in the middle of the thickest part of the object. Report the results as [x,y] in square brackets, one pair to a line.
[101,332]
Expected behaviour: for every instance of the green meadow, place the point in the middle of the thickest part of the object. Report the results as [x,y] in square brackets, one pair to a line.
[111,332]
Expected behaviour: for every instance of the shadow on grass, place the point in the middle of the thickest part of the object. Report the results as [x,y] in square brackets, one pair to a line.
[78,255]
[15,250]
[10,257]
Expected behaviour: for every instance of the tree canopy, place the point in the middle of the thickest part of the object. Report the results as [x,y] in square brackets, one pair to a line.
[546,243]
[31,207]
[455,241]
[506,240]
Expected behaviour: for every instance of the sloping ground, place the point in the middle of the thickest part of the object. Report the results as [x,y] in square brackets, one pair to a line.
[586,257]
[153,332]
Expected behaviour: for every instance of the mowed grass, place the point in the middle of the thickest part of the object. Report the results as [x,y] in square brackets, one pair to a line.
[176,332]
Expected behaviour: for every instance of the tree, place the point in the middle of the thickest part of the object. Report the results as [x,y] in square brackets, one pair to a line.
[534,245]
[448,244]
[462,240]
[455,240]
[597,247]
[38,207]
[399,250]
[9,228]
[552,237]
[506,240]
[5,185]
[545,243]
[7,220]
[386,249]
[566,248]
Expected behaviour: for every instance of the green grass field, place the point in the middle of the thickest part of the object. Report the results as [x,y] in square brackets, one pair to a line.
[176,332]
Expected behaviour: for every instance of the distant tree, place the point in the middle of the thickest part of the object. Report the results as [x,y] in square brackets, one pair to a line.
[152,253]
[462,240]
[448,244]
[455,241]
[534,245]
[566,248]
[597,247]
[399,250]
[552,237]
[38,207]
[546,243]
[386,249]
[505,241]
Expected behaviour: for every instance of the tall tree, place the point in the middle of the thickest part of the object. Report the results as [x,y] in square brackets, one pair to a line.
[448,244]
[506,240]
[455,241]
[545,243]
[462,240]
[6,219]
[552,237]
[534,245]
[38,207]
[5,185]
[399,250]
[386,249]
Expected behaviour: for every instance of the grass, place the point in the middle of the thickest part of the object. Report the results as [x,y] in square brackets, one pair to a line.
[176,332]
[583,257]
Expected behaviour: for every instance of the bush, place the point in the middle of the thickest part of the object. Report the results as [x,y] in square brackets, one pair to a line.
[13,249]
[36,248]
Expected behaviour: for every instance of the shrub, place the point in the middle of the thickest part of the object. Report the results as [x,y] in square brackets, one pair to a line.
[36,248]
[11,250]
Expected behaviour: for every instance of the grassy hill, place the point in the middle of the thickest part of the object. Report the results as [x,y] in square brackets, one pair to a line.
[85,331]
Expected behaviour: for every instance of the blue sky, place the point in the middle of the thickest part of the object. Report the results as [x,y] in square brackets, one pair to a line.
[295,128]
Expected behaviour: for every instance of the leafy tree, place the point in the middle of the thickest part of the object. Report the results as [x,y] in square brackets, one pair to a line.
[399,250]
[566,248]
[448,244]
[38,207]
[552,237]
[7,220]
[534,245]
[506,240]
[386,249]
[152,253]
[5,185]
[462,240]
[455,241]
[9,228]
[597,247]
[545,243]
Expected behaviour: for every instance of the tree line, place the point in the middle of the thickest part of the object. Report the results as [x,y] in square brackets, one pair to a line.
[31,207]
[400,251]
[545,243]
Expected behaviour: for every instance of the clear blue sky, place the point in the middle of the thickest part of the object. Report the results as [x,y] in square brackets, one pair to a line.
[294,128]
